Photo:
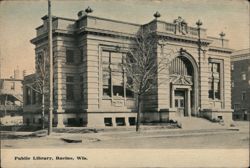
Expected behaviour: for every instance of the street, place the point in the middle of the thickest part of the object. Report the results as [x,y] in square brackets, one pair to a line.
[154,138]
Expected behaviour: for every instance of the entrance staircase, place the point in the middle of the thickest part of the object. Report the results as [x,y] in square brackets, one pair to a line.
[195,123]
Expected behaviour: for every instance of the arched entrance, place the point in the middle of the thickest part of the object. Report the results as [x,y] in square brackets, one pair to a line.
[183,73]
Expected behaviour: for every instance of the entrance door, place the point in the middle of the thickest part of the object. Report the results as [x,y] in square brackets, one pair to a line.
[180,102]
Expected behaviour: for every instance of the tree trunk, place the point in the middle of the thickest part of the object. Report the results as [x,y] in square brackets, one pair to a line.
[5,105]
[42,117]
[138,113]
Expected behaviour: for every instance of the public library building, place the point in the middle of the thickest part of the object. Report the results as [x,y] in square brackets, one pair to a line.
[90,86]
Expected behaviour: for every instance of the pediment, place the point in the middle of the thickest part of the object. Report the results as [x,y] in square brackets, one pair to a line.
[182,80]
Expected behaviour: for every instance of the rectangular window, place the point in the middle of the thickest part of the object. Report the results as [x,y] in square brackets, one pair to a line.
[69,56]
[70,88]
[120,121]
[117,74]
[108,122]
[113,75]
[214,84]
[131,120]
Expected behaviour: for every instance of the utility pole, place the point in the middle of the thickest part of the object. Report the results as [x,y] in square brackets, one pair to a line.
[199,24]
[50,47]
[0,65]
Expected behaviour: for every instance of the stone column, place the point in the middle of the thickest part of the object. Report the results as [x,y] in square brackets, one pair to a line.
[59,88]
[188,102]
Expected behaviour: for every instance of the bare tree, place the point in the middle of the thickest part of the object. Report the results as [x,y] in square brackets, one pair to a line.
[39,83]
[142,67]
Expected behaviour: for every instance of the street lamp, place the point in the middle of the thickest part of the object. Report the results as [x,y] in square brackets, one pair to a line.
[222,35]
[199,24]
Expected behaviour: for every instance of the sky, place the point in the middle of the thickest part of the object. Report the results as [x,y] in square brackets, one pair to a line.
[18,20]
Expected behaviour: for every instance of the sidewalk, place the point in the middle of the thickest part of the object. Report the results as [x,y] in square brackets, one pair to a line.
[143,133]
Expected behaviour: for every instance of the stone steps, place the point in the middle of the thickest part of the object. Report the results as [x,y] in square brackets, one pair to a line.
[194,123]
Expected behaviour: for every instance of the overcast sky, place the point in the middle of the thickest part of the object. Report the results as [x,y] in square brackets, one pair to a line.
[18,20]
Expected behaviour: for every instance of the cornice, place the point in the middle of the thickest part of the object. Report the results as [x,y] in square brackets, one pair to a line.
[57,32]
[117,21]
[222,50]
[183,38]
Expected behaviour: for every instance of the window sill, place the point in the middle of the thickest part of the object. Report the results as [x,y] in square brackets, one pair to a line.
[106,98]
[117,98]
[215,100]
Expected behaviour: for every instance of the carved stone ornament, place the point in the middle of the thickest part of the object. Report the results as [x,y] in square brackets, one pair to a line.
[181,26]
[182,80]
[118,103]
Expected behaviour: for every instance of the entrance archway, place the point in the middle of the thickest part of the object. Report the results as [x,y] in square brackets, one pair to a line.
[184,90]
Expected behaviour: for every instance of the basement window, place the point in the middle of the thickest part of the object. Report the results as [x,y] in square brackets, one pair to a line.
[220,117]
[120,121]
[131,120]
[108,122]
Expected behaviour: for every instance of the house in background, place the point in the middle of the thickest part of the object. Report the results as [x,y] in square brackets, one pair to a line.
[90,83]
[240,71]
[11,99]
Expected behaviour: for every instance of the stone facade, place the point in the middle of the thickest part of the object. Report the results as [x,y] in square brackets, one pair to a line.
[86,93]
[240,70]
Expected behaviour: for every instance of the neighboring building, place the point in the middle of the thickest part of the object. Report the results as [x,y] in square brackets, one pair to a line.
[11,99]
[89,87]
[240,70]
